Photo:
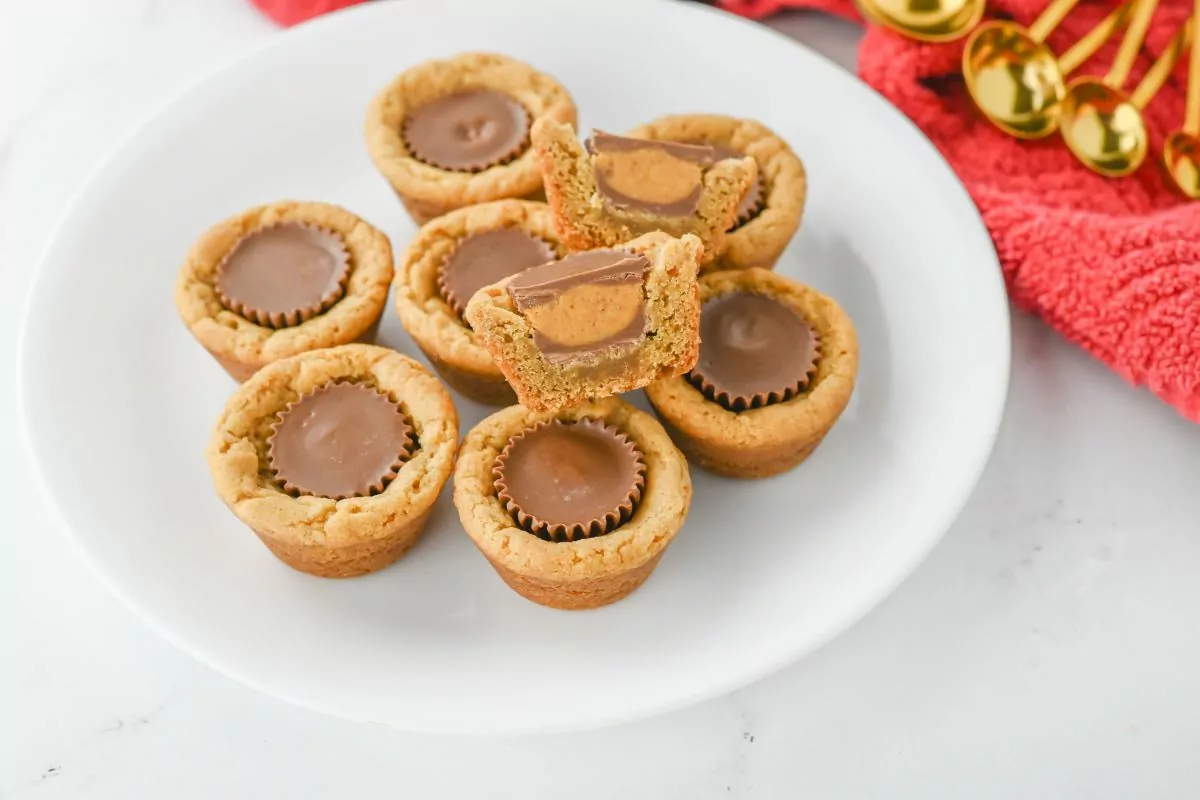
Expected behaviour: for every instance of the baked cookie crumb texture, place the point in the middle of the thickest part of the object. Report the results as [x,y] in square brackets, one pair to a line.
[616,188]
[771,212]
[596,323]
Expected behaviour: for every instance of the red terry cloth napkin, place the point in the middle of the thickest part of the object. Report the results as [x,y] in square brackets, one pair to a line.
[1113,265]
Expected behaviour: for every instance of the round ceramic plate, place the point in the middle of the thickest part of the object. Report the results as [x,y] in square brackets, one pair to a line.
[118,400]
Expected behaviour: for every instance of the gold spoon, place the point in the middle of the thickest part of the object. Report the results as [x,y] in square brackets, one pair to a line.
[1181,152]
[925,20]
[1013,77]
[1101,124]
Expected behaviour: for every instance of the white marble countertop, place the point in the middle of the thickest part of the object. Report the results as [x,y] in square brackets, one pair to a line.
[1046,649]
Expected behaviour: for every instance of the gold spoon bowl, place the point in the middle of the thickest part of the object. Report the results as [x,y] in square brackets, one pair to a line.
[1181,155]
[925,20]
[1181,150]
[1016,81]
[1013,77]
[1103,128]
[1101,124]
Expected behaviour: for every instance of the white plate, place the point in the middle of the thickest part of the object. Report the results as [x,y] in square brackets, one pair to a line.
[118,400]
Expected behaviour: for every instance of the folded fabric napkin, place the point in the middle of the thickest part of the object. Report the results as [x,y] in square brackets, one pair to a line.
[1113,265]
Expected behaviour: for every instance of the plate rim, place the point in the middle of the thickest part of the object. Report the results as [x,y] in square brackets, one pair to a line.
[951,510]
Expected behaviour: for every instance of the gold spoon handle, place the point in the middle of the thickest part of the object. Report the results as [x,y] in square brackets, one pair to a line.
[1191,117]
[1055,13]
[1157,75]
[1086,47]
[1118,73]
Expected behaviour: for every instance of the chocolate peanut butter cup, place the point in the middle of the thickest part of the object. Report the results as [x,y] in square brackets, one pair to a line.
[595,323]
[612,188]
[663,178]
[281,279]
[563,481]
[770,211]
[284,274]
[455,132]
[754,351]
[777,367]
[335,458]
[574,508]
[583,304]
[341,440]
[468,131]
[481,259]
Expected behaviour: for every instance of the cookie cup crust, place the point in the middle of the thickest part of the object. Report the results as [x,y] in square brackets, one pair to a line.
[588,572]
[761,241]
[428,191]
[450,345]
[242,346]
[772,439]
[334,538]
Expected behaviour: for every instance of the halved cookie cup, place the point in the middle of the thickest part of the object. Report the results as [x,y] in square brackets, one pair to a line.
[761,239]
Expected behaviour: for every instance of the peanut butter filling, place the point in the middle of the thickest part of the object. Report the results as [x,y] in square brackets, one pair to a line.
[588,315]
[651,177]
[583,304]
[664,178]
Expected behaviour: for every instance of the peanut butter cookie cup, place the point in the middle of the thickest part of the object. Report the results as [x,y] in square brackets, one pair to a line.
[777,366]
[283,279]
[573,508]
[771,210]
[596,323]
[449,260]
[616,187]
[335,457]
[455,132]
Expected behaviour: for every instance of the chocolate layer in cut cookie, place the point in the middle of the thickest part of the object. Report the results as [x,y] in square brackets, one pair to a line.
[596,323]
[618,187]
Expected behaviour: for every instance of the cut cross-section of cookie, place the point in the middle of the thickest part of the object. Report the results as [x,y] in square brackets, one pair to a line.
[656,177]
[468,131]
[341,440]
[563,481]
[769,212]
[283,274]
[596,323]
[585,303]
[754,351]
[619,187]
[488,257]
